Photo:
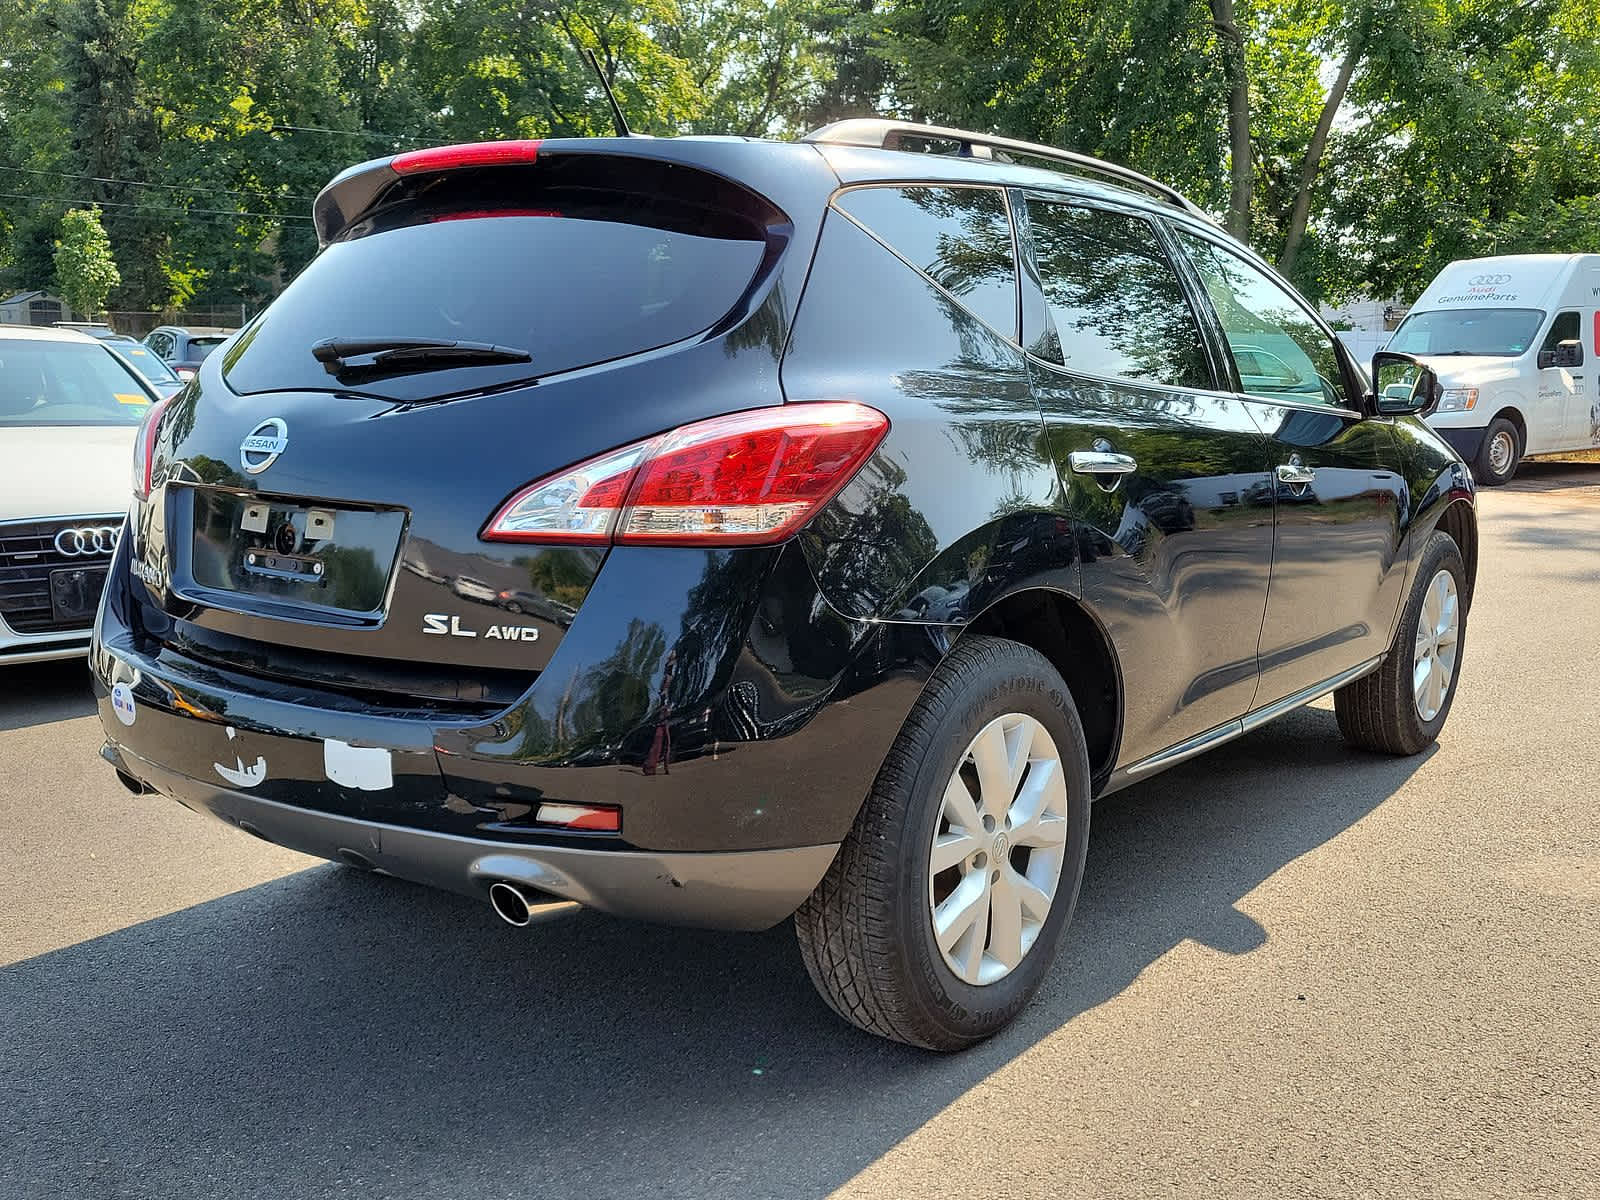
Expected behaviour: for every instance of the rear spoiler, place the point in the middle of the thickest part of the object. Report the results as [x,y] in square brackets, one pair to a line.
[354,190]
[792,176]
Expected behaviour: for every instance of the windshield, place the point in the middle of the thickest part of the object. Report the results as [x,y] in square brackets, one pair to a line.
[67,383]
[147,363]
[1496,332]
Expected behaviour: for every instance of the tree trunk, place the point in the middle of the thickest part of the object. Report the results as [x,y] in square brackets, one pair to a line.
[1313,160]
[1240,168]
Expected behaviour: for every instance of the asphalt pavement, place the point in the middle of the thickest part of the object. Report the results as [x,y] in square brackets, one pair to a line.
[1296,970]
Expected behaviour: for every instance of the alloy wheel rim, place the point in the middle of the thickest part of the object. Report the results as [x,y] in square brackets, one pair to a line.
[1500,451]
[998,848]
[1438,637]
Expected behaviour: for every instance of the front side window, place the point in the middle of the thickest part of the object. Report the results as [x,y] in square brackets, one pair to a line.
[1115,299]
[1563,329]
[960,237]
[1279,350]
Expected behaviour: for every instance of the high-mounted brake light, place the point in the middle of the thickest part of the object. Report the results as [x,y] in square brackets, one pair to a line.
[144,448]
[469,154]
[746,479]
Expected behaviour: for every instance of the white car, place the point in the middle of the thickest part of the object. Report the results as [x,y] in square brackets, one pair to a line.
[1514,341]
[69,412]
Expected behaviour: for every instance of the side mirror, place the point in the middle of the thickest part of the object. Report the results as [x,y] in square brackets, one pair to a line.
[1565,354]
[1402,384]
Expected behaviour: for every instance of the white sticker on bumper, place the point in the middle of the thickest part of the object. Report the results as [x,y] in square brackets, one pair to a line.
[122,703]
[367,768]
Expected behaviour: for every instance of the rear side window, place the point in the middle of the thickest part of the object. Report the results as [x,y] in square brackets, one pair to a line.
[1118,308]
[960,237]
[574,264]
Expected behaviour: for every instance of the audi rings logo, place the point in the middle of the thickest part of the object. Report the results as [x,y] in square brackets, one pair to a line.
[87,541]
[260,449]
[1488,280]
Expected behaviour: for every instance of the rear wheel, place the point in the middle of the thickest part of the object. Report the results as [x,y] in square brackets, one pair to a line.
[1501,453]
[1401,707]
[946,904]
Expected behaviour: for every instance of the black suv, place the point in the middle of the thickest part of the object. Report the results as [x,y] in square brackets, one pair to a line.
[710,531]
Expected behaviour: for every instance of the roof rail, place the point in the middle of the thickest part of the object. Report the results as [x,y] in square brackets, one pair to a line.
[878,133]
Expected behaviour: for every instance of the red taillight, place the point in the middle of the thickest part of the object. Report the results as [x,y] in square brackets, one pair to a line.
[471,154]
[598,818]
[144,446]
[746,479]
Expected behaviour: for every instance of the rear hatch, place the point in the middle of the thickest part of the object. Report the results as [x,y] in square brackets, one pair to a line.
[467,329]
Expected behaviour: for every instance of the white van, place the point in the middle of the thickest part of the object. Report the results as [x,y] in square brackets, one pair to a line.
[1513,340]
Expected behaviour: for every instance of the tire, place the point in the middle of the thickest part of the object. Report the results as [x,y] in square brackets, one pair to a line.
[1501,434]
[867,932]
[1381,711]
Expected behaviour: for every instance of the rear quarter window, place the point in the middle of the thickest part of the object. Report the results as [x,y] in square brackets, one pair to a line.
[960,237]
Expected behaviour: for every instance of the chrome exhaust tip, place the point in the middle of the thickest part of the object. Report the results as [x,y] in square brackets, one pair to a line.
[510,903]
[520,905]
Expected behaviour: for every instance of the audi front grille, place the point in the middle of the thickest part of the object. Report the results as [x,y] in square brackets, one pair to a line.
[31,552]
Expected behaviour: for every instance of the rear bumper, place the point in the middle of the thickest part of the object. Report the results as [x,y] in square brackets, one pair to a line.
[742,890]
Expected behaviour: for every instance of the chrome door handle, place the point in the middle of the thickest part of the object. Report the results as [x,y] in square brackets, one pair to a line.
[1101,462]
[1296,474]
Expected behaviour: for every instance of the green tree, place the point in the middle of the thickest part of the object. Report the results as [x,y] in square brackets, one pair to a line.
[85,270]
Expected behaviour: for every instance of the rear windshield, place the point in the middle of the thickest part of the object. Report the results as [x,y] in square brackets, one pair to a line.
[67,383]
[1496,332]
[573,275]
[199,347]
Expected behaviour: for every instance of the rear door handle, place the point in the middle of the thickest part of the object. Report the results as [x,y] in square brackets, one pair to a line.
[1101,462]
[1295,473]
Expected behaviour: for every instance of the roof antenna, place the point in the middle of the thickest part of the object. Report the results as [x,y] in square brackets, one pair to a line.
[617,119]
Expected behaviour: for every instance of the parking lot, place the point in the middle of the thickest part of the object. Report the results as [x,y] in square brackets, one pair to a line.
[1295,970]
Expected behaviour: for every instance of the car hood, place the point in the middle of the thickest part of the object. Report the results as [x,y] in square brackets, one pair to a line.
[1471,370]
[65,471]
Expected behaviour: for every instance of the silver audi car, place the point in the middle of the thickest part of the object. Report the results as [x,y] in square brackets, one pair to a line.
[69,412]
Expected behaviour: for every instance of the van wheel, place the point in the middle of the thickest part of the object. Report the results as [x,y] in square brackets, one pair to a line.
[946,903]
[1501,453]
[1401,707]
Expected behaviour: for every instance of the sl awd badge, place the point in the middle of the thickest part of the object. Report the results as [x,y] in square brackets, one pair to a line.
[263,444]
[447,625]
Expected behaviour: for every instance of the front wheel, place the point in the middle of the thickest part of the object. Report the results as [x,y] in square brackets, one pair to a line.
[1501,453]
[1401,707]
[947,901]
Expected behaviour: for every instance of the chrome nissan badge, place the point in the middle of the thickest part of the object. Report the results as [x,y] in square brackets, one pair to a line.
[265,442]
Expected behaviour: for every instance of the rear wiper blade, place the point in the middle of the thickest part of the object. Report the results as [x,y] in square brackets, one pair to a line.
[368,356]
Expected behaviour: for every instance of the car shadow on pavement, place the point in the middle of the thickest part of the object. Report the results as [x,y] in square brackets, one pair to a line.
[337,1033]
[39,693]
[1556,475]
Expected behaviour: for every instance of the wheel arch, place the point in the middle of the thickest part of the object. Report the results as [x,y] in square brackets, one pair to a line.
[1513,413]
[1069,636]
[1460,520]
